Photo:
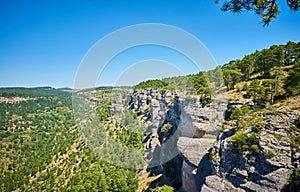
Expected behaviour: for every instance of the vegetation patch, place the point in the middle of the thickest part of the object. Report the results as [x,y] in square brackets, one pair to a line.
[242,143]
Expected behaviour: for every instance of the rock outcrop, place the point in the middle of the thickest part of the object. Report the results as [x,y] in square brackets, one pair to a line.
[210,160]
[156,108]
[198,126]
[267,170]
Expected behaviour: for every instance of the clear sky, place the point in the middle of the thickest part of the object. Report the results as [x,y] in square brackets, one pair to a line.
[43,42]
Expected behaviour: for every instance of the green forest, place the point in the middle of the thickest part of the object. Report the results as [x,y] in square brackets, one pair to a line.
[41,149]
[267,75]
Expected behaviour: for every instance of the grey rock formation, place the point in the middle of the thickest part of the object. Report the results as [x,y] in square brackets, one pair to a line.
[198,126]
[214,183]
[210,162]
[242,172]
[117,105]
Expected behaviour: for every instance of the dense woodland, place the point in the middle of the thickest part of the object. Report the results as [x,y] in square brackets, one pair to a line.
[267,75]
[41,148]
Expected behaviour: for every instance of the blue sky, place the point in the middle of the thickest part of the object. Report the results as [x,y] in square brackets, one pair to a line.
[43,42]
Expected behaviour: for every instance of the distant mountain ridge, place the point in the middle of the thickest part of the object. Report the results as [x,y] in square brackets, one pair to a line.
[32,91]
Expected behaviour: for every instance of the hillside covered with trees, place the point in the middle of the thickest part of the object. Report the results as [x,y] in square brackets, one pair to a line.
[41,149]
[265,75]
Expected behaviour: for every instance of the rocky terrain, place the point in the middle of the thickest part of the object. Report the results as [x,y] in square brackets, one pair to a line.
[210,157]
[268,167]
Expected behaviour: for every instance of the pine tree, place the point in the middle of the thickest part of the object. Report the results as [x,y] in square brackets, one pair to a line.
[292,82]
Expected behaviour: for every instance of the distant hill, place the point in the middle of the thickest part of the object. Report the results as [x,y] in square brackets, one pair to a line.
[31,92]
[65,89]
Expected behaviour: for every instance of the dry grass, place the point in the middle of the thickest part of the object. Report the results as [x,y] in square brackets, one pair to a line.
[145,179]
[291,105]
[234,95]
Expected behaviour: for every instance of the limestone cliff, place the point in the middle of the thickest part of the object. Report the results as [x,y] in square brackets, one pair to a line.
[211,160]
[267,167]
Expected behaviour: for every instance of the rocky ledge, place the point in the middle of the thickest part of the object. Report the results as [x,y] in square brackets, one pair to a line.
[210,160]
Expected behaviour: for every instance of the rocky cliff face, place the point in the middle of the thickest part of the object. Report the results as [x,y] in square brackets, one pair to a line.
[192,135]
[210,160]
[269,168]
[198,126]
[157,108]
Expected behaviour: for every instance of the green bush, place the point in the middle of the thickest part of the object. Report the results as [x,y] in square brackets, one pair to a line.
[166,130]
[277,136]
[239,140]
[164,188]
[237,114]
[242,142]
[255,148]
[269,154]
[221,128]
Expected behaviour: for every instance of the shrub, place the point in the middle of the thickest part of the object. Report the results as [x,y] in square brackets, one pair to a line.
[237,114]
[166,129]
[255,148]
[239,140]
[164,188]
[221,128]
[269,154]
[278,137]
[243,142]
[257,122]
[253,139]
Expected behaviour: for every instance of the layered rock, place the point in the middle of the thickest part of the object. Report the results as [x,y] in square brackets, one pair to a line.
[210,161]
[260,172]
[156,108]
[198,126]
